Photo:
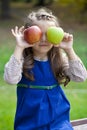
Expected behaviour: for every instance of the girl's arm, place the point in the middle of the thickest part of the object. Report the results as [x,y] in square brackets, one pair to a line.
[73,65]
[13,69]
[75,69]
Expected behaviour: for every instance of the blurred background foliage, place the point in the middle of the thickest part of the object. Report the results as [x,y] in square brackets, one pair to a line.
[72,15]
[73,8]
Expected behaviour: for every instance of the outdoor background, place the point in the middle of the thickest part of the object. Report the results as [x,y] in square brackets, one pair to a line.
[72,15]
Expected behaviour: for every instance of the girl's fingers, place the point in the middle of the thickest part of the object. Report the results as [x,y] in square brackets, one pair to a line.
[16,30]
[71,36]
[12,30]
[67,37]
[21,29]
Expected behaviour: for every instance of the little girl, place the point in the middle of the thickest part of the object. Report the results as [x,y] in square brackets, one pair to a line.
[38,70]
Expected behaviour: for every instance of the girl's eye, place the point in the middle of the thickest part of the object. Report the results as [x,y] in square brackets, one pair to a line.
[44,17]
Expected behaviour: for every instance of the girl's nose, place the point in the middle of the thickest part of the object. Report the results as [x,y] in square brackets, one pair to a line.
[44,37]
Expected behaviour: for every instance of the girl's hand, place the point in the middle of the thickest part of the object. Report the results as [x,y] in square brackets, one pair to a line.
[67,42]
[18,33]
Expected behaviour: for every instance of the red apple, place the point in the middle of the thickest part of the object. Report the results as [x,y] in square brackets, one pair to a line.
[32,34]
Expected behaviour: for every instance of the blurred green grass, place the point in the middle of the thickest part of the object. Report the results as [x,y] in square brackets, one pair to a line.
[77,95]
[7,107]
[78,100]
[76,92]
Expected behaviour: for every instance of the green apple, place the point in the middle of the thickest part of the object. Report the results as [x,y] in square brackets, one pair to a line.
[55,35]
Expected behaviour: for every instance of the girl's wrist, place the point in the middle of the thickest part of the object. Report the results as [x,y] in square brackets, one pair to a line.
[18,52]
[71,54]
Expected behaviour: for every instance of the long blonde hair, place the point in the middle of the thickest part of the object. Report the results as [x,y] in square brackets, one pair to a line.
[54,55]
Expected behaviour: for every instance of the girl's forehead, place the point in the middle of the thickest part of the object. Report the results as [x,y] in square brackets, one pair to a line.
[44,25]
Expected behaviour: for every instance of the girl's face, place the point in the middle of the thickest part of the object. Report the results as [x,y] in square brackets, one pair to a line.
[41,48]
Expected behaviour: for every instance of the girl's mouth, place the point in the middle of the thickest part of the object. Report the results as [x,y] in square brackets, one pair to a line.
[43,44]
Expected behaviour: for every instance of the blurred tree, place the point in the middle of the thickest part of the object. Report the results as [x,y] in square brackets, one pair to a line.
[75,8]
[83,13]
[27,1]
[5,9]
[15,0]
[44,2]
